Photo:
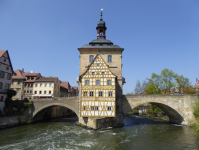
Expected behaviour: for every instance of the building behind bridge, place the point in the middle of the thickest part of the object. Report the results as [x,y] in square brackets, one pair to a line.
[34,86]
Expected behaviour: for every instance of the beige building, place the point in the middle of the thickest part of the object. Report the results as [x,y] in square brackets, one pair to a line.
[46,87]
[100,80]
[6,72]
[22,83]
[29,82]
[18,84]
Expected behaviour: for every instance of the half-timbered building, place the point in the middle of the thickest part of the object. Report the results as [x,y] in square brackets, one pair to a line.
[98,90]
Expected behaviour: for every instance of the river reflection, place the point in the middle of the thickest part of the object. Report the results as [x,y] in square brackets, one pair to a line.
[62,133]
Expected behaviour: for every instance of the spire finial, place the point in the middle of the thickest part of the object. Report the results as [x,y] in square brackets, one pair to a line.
[101,15]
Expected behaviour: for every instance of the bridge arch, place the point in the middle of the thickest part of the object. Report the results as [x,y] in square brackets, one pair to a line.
[41,105]
[54,104]
[178,108]
[174,115]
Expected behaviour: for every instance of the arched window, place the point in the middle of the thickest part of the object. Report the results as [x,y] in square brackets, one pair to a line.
[109,58]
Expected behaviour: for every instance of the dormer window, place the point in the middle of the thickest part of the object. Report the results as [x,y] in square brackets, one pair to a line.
[101,44]
[93,44]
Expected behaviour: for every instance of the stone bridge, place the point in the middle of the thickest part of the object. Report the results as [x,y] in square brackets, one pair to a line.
[68,102]
[177,107]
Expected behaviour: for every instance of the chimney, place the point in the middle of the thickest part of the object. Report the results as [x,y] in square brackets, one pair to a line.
[22,70]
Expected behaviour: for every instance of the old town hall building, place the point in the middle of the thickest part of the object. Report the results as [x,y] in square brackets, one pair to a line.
[100,80]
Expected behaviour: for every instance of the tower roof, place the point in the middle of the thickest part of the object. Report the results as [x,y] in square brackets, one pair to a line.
[101,42]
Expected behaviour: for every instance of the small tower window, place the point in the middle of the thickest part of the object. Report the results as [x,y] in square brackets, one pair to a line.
[97,64]
[93,73]
[91,58]
[102,72]
[109,58]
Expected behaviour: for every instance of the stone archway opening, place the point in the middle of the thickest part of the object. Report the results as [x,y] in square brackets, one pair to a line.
[144,109]
[54,111]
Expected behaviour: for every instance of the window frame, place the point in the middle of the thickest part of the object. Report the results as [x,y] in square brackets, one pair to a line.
[109,58]
[100,94]
[1,85]
[97,82]
[86,82]
[91,57]
[1,98]
[7,86]
[110,93]
[96,108]
[108,83]
[91,94]
[92,108]
[109,108]
[85,94]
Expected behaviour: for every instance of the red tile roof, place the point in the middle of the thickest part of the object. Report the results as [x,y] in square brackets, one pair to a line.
[66,85]
[19,75]
[31,74]
[46,79]
[75,87]
[2,52]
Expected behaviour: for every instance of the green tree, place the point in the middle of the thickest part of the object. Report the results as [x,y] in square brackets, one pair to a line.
[183,82]
[165,81]
[153,89]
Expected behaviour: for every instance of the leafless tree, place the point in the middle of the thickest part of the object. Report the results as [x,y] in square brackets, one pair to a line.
[140,88]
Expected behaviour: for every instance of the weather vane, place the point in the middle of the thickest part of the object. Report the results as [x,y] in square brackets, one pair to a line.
[101,14]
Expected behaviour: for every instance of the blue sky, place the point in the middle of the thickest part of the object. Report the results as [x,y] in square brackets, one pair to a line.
[43,35]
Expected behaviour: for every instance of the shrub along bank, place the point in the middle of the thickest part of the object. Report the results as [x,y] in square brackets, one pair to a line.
[195,124]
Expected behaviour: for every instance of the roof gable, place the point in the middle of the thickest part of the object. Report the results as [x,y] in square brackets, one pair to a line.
[99,65]
[6,54]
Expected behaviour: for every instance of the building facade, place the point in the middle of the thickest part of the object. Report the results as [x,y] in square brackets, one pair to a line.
[100,80]
[29,82]
[18,84]
[46,87]
[98,90]
[6,72]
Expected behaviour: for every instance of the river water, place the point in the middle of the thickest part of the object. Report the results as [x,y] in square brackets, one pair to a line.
[139,133]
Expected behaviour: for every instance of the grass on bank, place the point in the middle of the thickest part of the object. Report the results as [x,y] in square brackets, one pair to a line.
[195,124]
